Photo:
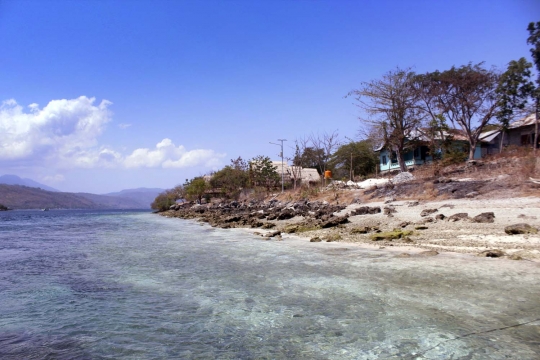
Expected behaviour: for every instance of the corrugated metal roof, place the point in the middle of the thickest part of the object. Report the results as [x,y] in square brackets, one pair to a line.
[527,120]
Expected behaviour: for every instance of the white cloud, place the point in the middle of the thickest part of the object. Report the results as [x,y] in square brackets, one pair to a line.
[61,130]
[64,134]
[168,155]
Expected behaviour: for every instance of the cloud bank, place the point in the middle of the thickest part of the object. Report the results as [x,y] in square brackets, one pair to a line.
[64,134]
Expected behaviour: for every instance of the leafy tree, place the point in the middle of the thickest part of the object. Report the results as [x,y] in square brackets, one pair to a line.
[164,200]
[195,188]
[354,158]
[263,172]
[534,41]
[467,96]
[231,179]
[514,90]
[391,106]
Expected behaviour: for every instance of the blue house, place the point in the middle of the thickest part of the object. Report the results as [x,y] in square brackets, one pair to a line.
[418,154]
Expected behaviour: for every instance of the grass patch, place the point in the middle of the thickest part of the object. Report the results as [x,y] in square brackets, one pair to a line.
[391,235]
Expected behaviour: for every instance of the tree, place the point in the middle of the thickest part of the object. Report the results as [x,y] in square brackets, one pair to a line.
[391,107]
[195,188]
[534,40]
[467,97]
[263,172]
[164,200]
[231,179]
[514,90]
[323,146]
[354,158]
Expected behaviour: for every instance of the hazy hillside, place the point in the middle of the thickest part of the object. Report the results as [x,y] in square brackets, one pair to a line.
[113,202]
[143,196]
[15,180]
[24,197]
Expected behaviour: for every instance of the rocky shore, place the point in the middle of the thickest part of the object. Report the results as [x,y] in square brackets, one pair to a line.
[506,228]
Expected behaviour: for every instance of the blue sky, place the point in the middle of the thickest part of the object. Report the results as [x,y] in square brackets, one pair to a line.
[100,96]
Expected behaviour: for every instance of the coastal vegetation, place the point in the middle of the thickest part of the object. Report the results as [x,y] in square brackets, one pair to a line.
[461,102]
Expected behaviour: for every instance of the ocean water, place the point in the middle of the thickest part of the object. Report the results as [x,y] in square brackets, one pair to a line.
[134,285]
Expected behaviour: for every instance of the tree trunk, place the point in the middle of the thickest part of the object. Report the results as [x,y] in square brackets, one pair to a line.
[502,141]
[472,150]
[536,126]
[401,161]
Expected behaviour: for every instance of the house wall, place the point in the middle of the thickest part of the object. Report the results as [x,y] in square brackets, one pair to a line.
[411,158]
[522,136]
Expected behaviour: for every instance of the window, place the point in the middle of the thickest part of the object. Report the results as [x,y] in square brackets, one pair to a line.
[393,157]
[417,152]
[526,139]
[384,161]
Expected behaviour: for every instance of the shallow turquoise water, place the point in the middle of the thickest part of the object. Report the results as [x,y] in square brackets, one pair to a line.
[133,285]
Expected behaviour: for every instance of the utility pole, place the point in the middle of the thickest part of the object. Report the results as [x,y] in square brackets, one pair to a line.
[281,154]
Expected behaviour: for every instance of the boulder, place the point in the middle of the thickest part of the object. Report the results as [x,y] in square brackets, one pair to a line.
[334,221]
[360,230]
[272,234]
[427,212]
[364,210]
[458,217]
[439,217]
[286,214]
[487,217]
[521,228]
[389,210]
[491,253]
[315,239]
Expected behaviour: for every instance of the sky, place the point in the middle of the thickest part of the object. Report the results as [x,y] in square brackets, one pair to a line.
[100,96]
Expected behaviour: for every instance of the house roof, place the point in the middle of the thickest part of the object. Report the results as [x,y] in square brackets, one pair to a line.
[489,136]
[527,120]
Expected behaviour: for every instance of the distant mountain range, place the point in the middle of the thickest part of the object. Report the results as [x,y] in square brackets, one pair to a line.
[17,193]
[15,180]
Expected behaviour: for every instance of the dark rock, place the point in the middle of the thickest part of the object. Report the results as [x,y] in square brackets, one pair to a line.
[315,239]
[457,217]
[273,233]
[421,227]
[360,230]
[413,203]
[405,224]
[440,217]
[268,225]
[389,210]
[365,210]
[487,217]
[521,228]
[427,212]
[286,214]
[334,221]
[491,253]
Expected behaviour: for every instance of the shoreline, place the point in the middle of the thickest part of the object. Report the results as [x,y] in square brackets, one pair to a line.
[425,234]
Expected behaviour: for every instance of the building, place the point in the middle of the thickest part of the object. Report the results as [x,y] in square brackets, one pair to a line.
[418,153]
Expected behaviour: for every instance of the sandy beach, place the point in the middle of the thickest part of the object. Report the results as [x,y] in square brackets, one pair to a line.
[440,235]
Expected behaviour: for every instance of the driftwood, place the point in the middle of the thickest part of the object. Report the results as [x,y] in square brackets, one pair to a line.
[536,181]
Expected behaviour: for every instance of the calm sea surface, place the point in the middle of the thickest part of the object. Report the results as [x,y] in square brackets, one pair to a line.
[133,285]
